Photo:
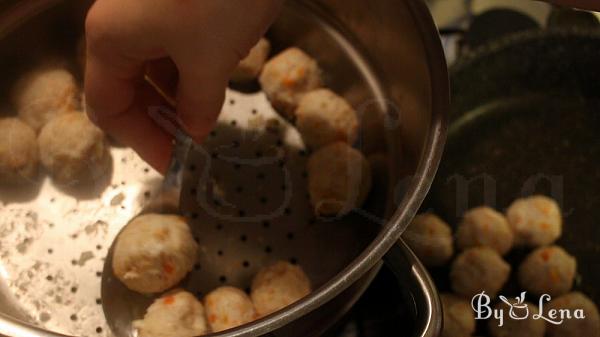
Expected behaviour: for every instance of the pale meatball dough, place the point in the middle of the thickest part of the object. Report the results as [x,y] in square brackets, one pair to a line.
[536,221]
[277,286]
[323,118]
[287,77]
[176,314]
[588,327]
[548,270]
[43,94]
[511,327]
[484,226]
[459,319]
[339,179]
[73,149]
[154,252]
[19,155]
[227,308]
[249,68]
[478,269]
[430,238]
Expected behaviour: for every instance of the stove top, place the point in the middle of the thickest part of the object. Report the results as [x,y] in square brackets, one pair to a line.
[384,310]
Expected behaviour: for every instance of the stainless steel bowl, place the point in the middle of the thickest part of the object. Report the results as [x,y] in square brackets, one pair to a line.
[407,83]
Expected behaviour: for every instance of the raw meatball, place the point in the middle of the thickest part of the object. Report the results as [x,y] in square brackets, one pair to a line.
[323,118]
[249,68]
[484,226]
[588,327]
[177,314]
[277,286]
[73,149]
[227,308]
[548,270]
[287,77]
[43,94]
[154,252]
[536,221]
[19,155]
[459,319]
[528,327]
[430,238]
[339,179]
[479,269]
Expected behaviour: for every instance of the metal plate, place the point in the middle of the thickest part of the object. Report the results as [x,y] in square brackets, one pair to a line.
[53,243]
[348,73]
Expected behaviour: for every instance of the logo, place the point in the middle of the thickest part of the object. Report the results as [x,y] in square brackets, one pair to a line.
[518,309]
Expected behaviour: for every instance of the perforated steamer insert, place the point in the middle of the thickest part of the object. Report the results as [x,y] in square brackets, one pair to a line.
[245,194]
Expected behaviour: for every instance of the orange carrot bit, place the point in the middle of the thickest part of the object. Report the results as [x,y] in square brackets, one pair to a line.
[546,255]
[212,318]
[545,226]
[554,275]
[292,79]
[301,72]
[169,300]
[289,81]
[168,267]
[162,234]
[545,208]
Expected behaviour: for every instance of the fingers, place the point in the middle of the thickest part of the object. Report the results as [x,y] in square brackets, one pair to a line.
[205,40]
[120,107]
[117,97]
[136,129]
[206,61]
[200,98]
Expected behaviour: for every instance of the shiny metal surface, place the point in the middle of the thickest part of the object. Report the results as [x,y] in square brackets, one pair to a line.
[387,63]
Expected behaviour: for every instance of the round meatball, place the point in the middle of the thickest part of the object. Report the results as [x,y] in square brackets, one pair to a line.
[511,327]
[43,94]
[287,77]
[227,308]
[176,314]
[154,252]
[548,270]
[535,221]
[277,286]
[73,149]
[478,269]
[430,238]
[588,327]
[323,118]
[339,179]
[19,155]
[249,68]
[459,319]
[484,226]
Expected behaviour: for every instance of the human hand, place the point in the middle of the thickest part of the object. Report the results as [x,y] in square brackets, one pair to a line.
[204,40]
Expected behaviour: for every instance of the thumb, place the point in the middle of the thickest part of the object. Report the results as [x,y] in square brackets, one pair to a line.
[200,98]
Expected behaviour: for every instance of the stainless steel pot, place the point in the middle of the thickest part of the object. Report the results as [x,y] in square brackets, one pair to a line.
[399,45]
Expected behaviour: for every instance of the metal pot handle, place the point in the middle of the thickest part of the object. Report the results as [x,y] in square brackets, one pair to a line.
[427,303]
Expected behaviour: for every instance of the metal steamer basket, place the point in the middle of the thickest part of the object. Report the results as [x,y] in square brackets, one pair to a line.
[384,57]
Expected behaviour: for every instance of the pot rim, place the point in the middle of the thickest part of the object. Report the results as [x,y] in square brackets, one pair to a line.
[388,236]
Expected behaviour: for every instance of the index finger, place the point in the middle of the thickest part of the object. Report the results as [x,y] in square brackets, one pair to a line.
[118,98]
